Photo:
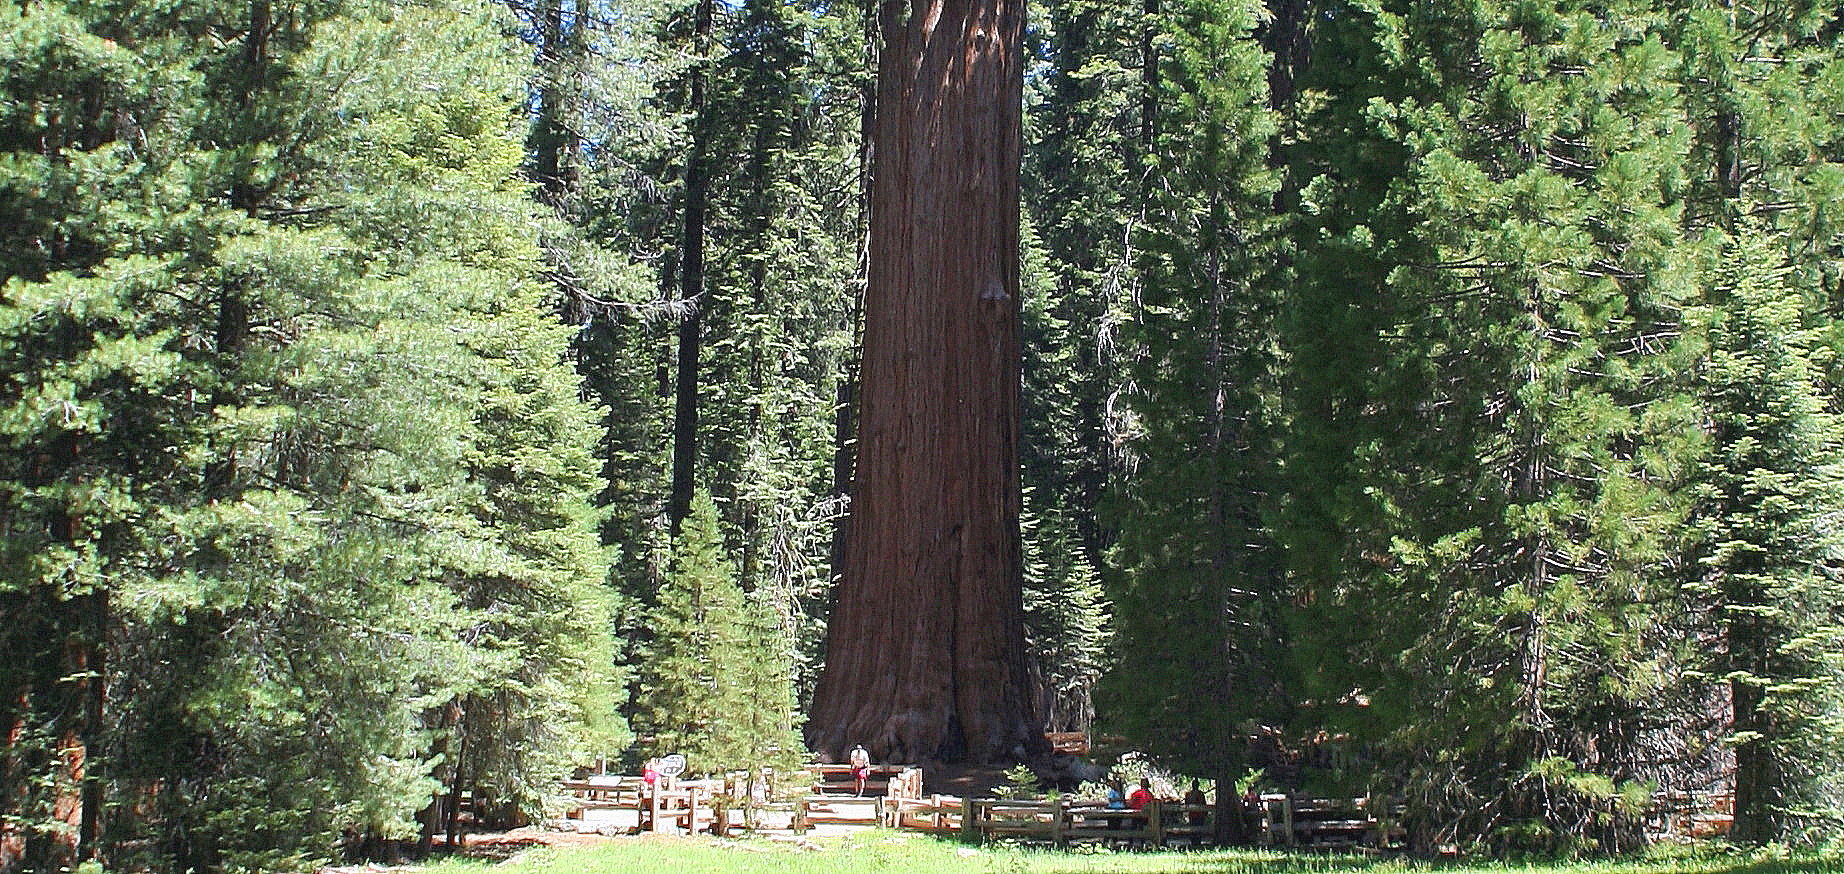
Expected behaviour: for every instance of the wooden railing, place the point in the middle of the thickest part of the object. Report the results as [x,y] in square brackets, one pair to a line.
[1069,743]
[1278,821]
[721,806]
[893,781]
[1059,822]
[1691,814]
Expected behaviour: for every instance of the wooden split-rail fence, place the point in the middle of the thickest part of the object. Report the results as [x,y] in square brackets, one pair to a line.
[721,806]
[887,781]
[1277,820]
[690,806]
[894,800]
[1685,814]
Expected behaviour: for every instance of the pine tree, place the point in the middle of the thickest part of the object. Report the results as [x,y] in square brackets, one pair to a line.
[787,259]
[1488,344]
[774,327]
[1084,169]
[298,466]
[1068,625]
[1771,552]
[1200,656]
[714,688]
[769,727]
[1764,163]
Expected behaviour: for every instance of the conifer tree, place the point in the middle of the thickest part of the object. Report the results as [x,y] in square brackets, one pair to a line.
[714,686]
[1764,162]
[787,261]
[1084,169]
[1067,621]
[1487,341]
[932,555]
[1770,556]
[774,325]
[325,472]
[1199,584]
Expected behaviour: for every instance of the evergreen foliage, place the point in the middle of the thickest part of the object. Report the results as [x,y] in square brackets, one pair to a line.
[1081,176]
[1457,380]
[1514,436]
[1768,507]
[1067,623]
[774,327]
[298,453]
[714,688]
[1200,581]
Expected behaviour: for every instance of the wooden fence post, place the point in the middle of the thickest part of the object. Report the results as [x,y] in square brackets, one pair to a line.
[969,821]
[1155,826]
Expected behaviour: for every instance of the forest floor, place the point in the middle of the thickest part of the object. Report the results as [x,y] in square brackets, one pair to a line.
[883,852]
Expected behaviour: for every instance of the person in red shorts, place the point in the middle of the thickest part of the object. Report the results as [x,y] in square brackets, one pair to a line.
[860,759]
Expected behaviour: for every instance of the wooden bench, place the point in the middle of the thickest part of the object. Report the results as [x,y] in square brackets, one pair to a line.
[838,780]
[1069,743]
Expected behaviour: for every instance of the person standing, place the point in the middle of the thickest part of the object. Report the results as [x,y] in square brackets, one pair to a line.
[860,760]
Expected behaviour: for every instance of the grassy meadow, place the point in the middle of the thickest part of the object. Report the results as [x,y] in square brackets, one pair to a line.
[890,853]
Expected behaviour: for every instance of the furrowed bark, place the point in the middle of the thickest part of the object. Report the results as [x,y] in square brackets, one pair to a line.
[926,654]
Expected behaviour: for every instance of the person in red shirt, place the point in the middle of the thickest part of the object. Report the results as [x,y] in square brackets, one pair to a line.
[1141,796]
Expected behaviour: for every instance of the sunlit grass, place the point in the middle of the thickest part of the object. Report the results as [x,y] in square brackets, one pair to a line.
[888,853]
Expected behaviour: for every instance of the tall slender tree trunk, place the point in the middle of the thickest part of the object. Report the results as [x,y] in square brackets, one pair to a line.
[926,650]
[1149,77]
[1228,803]
[845,399]
[93,689]
[451,807]
[1757,787]
[691,283]
[546,142]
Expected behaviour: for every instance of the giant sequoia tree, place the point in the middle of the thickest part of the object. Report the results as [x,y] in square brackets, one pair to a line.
[926,653]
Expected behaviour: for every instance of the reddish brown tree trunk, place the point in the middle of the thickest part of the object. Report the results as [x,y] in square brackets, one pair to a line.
[926,652]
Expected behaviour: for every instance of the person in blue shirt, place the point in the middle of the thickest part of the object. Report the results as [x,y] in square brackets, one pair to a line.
[1116,802]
